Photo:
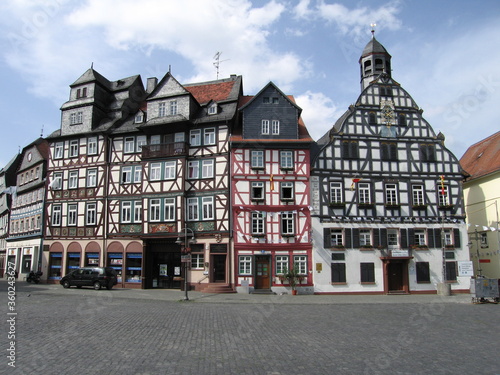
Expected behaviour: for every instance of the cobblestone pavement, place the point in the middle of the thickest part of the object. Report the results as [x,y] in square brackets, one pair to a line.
[146,332]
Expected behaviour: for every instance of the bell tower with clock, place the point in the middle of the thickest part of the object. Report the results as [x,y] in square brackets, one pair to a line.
[374,61]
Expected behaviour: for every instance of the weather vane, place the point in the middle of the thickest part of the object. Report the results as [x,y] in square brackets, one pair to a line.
[373,28]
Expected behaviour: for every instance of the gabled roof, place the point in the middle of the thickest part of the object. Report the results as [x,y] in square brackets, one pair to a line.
[218,91]
[251,98]
[483,157]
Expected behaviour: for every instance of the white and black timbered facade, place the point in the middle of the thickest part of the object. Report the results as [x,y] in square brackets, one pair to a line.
[386,195]
[270,164]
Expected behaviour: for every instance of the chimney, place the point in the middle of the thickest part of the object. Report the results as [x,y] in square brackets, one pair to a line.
[151,85]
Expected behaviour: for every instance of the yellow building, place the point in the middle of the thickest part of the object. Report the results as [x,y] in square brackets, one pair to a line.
[482,204]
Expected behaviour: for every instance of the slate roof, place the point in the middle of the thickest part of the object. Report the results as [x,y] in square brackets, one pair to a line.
[374,46]
[482,158]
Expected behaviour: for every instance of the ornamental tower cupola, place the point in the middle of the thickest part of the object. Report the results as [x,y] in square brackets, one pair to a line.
[374,61]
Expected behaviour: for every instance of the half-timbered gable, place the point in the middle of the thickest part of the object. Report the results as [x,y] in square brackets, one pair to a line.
[270,166]
[385,187]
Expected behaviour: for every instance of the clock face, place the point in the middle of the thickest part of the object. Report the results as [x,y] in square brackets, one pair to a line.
[29,156]
[388,113]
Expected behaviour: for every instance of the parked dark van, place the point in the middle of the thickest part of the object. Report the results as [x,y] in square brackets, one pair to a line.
[96,277]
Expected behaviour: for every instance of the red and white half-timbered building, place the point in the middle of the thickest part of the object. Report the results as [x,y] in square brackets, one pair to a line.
[270,166]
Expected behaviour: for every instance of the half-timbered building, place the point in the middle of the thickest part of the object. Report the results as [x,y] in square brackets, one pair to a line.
[25,239]
[386,195]
[270,164]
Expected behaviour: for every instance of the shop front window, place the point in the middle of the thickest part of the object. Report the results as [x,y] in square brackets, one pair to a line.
[133,268]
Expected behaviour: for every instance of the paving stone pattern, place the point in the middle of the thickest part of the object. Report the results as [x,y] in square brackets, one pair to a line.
[82,331]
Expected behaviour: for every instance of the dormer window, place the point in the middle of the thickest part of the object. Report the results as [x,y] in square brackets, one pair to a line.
[212,109]
[139,118]
[76,118]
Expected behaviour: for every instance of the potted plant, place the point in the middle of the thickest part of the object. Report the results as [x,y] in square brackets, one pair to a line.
[293,277]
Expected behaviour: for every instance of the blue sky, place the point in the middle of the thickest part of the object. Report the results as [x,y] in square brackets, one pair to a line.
[444,53]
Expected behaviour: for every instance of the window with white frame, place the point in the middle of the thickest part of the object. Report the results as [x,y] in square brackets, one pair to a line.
[258,223]
[443,195]
[335,192]
[391,194]
[207,168]
[265,127]
[201,169]
[73,180]
[392,238]
[418,195]
[257,190]
[212,109]
[286,159]
[209,136]
[155,172]
[131,212]
[336,237]
[129,145]
[275,127]
[300,262]
[420,238]
[155,209]
[281,264]
[142,140]
[76,118]
[162,109]
[56,214]
[73,148]
[137,174]
[245,265]
[365,237]
[192,209]
[139,117]
[137,212]
[364,195]
[92,146]
[126,175]
[72,214]
[448,237]
[170,170]
[197,261]
[173,107]
[169,212]
[193,169]
[257,159]
[208,208]
[286,191]
[91,177]
[287,223]
[195,137]
[57,179]
[59,150]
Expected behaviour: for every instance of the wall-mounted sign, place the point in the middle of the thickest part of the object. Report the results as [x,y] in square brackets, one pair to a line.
[399,253]
[465,268]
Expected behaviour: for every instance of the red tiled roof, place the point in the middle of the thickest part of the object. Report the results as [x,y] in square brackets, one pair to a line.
[483,157]
[214,91]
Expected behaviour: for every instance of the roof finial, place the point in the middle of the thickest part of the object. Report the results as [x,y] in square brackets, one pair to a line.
[373,29]
[92,65]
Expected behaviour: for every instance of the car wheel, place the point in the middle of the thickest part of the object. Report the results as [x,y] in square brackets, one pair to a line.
[97,285]
[66,284]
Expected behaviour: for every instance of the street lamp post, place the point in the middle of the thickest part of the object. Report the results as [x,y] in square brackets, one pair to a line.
[185,258]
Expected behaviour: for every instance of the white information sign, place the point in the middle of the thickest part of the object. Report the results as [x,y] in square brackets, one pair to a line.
[465,268]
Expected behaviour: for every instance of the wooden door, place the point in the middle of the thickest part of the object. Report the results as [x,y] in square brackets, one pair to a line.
[219,268]
[262,272]
[395,276]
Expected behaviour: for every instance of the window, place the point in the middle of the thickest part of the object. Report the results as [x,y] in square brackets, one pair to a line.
[391,194]
[154,210]
[286,191]
[131,212]
[212,110]
[126,174]
[336,237]
[418,195]
[129,145]
[484,240]
[265,127]
[389,151]
[137,173]
[208,208]
[335,192]
[75,118]
[170,170]
[443,195]
[258,223]
[207,168]
[367,272]
[59,150]
[402,119]
[195,137]
[142,140]
[56,215]
[275,100]
[192,209]
[209,136]
[372,118]
[72,214]
[275,127]
[137,212]
[57,179]
[193,169]
[338,273]
[392,238]
[286,159]
[365,237]
[155,172]
[162,109]
[90,214]
[73,180]
[287,224]
[427,152]
[350,150]
[169,213]
[364,194]
[300,262]
[281,264]
[266,100]
[257,191]
[92,146]
[448,237]
[73,148]
[423,274]
[139,117]
[173,107]
[257,159]
[91,177]
[420,238]
[197,261]
[245,265]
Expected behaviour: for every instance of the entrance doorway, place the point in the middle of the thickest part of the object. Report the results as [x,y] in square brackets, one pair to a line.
[263,272]
[218,268]
[396,276]
[163,265]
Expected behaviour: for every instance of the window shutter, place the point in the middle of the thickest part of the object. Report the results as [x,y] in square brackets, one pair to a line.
[438,241]
[376,237]
[456,235]
[347,239]
[355,238]
[383,237]
[411,237]
[404,238]
[327,240]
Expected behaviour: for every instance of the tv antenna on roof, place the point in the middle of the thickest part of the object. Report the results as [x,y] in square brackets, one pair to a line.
[218,61]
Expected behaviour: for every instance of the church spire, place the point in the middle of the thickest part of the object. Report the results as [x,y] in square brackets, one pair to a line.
[374,61]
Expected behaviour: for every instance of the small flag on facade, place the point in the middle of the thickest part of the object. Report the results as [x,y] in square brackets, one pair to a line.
[354,182]
[443,192]
[271,179]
